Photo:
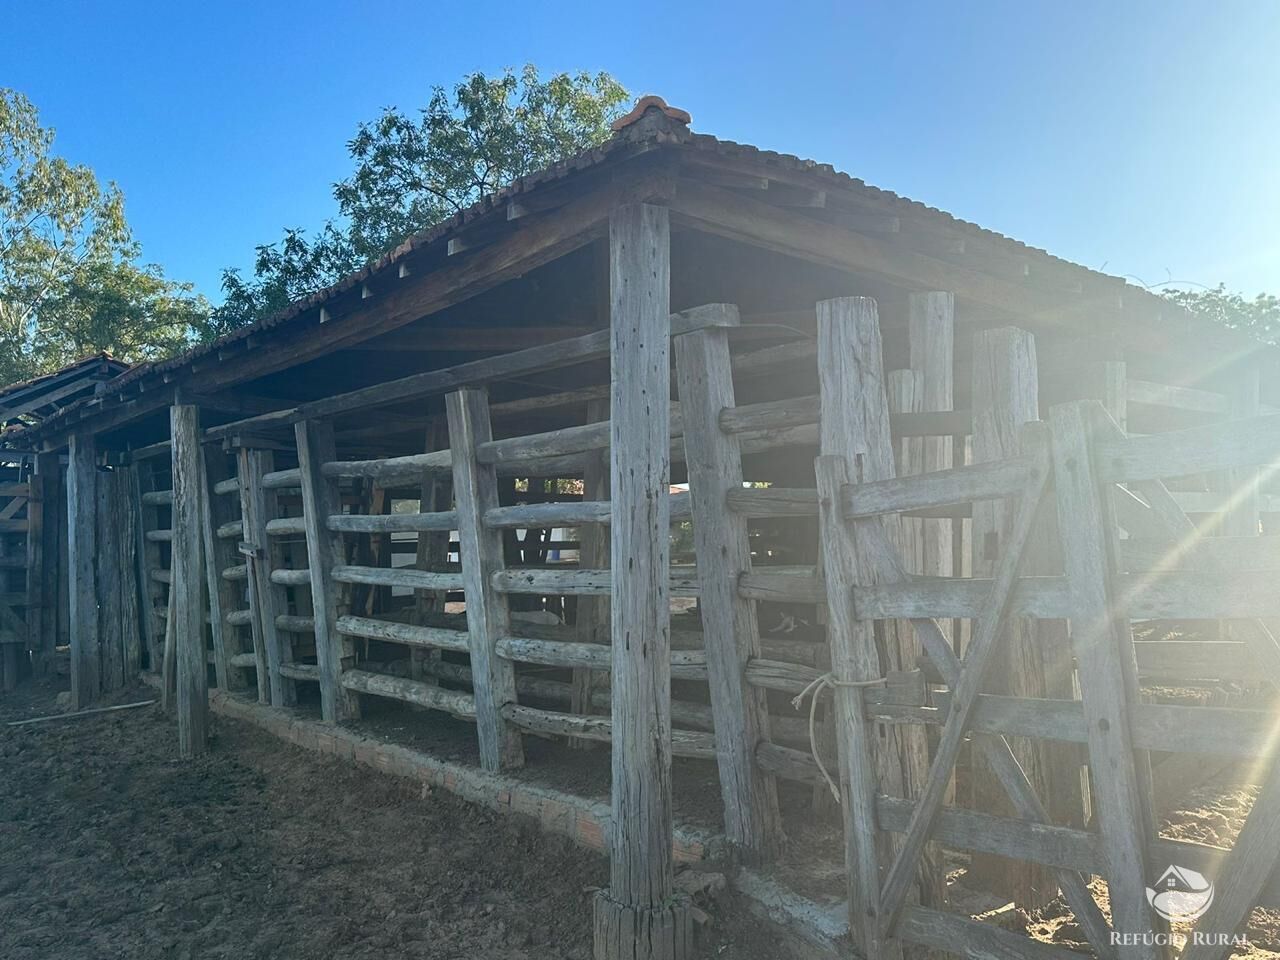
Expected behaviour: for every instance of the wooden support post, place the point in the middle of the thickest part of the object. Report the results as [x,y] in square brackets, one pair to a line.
[475,490]
[320,500]
[256,508]
[927,544]
[82,549]
[854,660]
[186,592]
[854,424]
[1107,670]
[592,624]
[434,496]
[638,917]
[730,630]
[1035,660]
[42,562]
[221,553]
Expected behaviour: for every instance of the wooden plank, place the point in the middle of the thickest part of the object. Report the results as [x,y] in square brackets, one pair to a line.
[399,577]
[1102,645]
[427,522]
[109,588]
[42,560]
[571,582]
[221,553]
[188,580]
[461,705]
[82,550]
[953,933]
[1178,453]
[335,653]
[435,496]
[637,917]
[980,481]
[591,622]
[255,508]
[730,629]
[440,638]
[684,743]
[475,488]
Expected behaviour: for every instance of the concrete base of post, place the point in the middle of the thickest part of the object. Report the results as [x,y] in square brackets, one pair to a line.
[642,933]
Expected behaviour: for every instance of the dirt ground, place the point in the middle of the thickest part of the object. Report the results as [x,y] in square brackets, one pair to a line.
[111,847]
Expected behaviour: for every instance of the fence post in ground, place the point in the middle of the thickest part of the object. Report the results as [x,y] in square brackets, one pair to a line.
[223,553]
[321,499]
[638,917]
[1035,660]
[186,592]
[257,506]
[475,490]
[854,424]
[730,631]
[82,549]
[1101,641]
[42,562]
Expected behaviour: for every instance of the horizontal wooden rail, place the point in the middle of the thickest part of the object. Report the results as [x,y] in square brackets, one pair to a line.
[241,618]
[1178,453]
[287,527]
[569,514]
[439,638]
[243,661]
[300,671]
[393,522]
[398,577]
[295,624]
[782,585]
[1152,394]
[222,487]
[685,664]
[291,578]
[684,743]
[238,572]
[1202,553]
[159,536]
[231,530]
[1175,595]
[159,498]
[461,705]
[980,481]
[572,582]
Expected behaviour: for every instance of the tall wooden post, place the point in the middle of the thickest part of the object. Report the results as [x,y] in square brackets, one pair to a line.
[854,427]
[435,495]
[186,593]
[82,548]
[730,630]
[592,623]
[42,562]
[638,918]
[226,595]
[257,506]
[475,487]
[1103,645]
[321,500]
[1037,661]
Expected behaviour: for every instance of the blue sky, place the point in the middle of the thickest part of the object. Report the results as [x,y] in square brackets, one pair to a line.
[1137,137]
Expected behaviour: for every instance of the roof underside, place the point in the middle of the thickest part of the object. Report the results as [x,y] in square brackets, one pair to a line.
[774,202]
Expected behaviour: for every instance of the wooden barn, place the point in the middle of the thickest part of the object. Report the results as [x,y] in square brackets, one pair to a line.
[767,495]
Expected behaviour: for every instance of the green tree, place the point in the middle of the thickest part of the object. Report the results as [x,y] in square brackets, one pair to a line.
[413,170]
[70,283]
[1259,316]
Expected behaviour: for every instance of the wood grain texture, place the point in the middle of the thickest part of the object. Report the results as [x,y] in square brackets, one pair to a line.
[730,628]
[82,499]
[475,489]
[187,594]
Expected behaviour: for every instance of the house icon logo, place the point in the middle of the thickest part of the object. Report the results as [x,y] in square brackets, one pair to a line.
[1180,894]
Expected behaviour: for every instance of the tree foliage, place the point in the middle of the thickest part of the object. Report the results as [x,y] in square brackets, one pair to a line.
[1259,316]
[70,281]
[415,169]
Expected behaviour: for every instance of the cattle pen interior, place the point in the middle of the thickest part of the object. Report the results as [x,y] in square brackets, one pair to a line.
[857,534]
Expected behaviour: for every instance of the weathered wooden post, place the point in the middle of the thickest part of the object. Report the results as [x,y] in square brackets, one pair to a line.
[42,561]
[257,507]
[321,500]
[435,495]
[186,592]
[854,424]
[1103,645]
[82,548]
[731,632]
[1005,395]
[475,488]
[592,623]
[638,917]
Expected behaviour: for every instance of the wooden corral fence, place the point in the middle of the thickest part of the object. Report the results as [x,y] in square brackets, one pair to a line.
[983,586]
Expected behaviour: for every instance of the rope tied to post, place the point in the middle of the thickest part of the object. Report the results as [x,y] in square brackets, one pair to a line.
[826,681]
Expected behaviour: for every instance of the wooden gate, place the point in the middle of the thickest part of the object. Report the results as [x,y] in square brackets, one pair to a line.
[1128,553]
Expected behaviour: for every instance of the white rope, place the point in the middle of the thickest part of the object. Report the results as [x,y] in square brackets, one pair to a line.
[813,691]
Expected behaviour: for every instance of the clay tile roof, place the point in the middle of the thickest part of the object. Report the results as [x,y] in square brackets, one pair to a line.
[644,104]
